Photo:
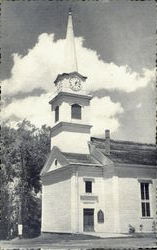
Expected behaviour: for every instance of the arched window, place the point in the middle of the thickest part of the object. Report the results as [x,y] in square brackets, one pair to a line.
[100,216]
[56,113]
[75,111]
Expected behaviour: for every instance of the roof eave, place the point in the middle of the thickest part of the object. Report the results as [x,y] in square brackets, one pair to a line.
[134,165]
[86,164]
[69,74]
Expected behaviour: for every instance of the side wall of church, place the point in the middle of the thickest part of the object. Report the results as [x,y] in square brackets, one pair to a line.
[56,207]
[130,199]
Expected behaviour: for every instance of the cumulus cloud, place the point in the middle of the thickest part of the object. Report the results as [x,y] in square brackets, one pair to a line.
[41,65]
[34,108]
[104,115]
[39,68]
[37,110]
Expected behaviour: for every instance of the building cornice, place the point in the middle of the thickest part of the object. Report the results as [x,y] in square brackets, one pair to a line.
[67,94]
[128,165]
[69,167]
[71,127]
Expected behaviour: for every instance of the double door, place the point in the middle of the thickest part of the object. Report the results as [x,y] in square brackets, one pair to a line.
[88,219]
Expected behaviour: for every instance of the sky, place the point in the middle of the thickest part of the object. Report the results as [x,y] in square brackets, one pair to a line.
[115,47]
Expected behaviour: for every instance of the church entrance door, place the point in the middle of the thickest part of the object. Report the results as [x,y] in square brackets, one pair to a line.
[88,219]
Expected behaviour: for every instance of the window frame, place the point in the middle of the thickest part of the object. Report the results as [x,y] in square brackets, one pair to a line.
[56,113]
[145,199]
[100,216]
[76,114]
[88,189]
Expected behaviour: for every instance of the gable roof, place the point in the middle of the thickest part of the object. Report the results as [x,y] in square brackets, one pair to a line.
[66,159]
[121,152]
[81,159]
[127,151]
[54,154]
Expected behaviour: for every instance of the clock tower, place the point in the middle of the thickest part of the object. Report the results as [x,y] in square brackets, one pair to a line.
[71,104]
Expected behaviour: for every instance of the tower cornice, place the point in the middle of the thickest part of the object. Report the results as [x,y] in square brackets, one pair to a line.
[68,94]
[71,127]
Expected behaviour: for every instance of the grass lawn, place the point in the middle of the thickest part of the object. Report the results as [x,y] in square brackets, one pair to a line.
[81,242]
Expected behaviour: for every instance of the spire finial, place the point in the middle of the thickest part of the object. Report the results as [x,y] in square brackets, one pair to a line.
[70,11]
[71,60]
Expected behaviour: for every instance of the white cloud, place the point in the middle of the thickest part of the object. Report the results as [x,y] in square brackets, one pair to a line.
[104,115]
[139,105]
[39,68]
[41,65]
[37,110]
[34,108]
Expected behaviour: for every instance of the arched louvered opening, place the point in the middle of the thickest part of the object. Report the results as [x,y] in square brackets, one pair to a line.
[75,111]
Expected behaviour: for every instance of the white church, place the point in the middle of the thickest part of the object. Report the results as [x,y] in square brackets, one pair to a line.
[91,184]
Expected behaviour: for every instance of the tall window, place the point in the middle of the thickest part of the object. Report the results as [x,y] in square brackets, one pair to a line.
[145,202]
[88,186]
[76,111]
[56,113]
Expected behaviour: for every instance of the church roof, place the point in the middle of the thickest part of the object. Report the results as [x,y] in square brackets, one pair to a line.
[80,158]
[128,152]
[121,152]
[104,152]
[66,159]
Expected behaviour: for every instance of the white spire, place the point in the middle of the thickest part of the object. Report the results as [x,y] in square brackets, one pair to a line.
[70,51]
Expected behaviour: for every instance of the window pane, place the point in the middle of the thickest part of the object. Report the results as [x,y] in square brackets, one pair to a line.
[88,186]
[142,191]
[147,209]
[143,209]
[76,111]
[147,191]
[56,113]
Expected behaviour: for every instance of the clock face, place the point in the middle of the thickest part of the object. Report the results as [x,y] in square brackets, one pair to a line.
[75,83]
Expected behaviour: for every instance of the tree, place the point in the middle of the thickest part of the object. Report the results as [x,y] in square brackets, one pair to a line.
[24,152]
[10,170]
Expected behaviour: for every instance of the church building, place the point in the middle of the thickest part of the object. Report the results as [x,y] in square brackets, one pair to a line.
[91,184]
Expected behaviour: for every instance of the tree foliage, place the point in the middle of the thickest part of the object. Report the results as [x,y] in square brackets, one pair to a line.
[23,152]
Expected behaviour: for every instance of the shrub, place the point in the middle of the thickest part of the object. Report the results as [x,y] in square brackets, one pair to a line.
[131,229]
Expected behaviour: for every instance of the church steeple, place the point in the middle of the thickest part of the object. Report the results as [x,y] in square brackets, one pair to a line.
[70,50]
[71,104]
[70,81]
